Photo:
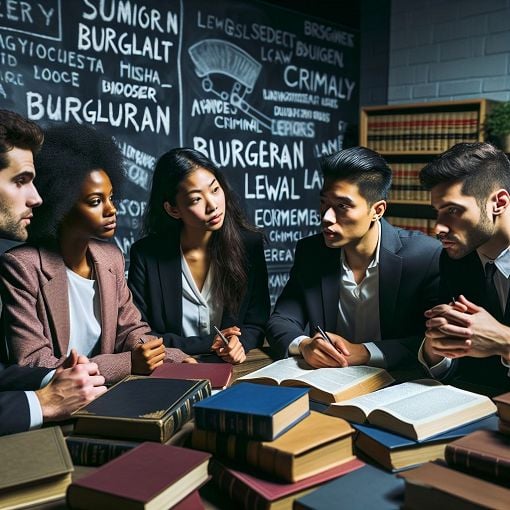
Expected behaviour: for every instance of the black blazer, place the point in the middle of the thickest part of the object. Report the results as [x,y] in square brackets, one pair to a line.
[155,279]
[14,409]
[408,285]
[467,276]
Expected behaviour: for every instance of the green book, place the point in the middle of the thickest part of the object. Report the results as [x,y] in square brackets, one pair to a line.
[35,468]
[142,408]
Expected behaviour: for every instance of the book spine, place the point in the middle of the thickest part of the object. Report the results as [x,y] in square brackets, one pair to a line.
[235,489]
[477,463]
[94,453]
[184,411]
[228,422]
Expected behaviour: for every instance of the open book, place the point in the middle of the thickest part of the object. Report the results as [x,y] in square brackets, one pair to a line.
[418,409]
[327,384]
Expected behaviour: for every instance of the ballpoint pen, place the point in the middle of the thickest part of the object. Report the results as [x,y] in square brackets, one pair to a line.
[222,336]
[324,334]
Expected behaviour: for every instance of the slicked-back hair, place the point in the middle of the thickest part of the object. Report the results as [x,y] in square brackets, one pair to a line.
[16,131]
[361,166]
[70,152]
[479,166]
[226,249]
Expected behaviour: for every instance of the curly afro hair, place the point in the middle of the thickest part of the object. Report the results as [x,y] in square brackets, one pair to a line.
[69,153]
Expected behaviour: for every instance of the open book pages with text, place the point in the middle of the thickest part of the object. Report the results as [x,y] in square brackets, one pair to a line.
[327,384]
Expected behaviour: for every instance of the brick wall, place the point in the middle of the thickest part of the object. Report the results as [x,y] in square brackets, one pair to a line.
[449,49]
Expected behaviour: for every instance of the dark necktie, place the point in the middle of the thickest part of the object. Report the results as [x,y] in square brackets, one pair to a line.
[492,303]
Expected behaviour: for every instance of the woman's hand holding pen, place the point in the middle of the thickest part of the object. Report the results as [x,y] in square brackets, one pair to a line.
[320,352]
[233,350]
[147,355]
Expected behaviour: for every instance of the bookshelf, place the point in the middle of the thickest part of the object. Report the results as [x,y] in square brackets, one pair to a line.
[410,135]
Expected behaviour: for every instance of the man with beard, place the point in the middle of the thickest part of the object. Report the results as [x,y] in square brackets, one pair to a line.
[467,341]
[362,281]
[30,396]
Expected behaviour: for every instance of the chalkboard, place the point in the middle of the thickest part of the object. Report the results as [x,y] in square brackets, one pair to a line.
[263,91]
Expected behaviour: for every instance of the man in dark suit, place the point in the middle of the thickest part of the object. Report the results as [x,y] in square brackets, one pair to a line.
[29,396]
[364,282]
[468,339]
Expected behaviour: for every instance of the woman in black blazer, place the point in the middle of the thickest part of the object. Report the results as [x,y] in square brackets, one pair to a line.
[201,264]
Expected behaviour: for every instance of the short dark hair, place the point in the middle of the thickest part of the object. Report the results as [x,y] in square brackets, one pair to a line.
[479,166]
[70,152]
[16,131]
[361,166]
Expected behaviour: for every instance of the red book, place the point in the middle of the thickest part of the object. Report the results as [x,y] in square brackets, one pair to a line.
[191,502]
[257,493]
[218,373]
[148,477]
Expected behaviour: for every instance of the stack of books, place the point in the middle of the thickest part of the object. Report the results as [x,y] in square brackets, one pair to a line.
[151,475]
[421,224]
[270,448]
[134,410]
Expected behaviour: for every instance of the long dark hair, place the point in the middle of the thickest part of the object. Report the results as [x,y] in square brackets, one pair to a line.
[226,249]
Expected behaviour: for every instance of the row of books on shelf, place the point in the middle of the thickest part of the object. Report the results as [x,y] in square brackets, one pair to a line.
[421,224]
[406,183]
[432,131]
[269,448]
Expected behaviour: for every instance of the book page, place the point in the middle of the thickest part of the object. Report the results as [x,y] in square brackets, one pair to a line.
[289,368]
[431,404]
[333,379]
[380,399]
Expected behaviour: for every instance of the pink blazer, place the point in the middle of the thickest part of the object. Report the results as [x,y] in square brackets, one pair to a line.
[36,309]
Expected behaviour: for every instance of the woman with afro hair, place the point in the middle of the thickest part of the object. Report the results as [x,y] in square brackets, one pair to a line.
[66,288]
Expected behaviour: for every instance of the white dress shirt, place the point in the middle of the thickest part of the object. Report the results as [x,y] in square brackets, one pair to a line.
[199,310]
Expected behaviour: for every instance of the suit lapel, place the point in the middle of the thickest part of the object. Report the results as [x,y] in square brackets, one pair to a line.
[109,302]
[170,278]
[329,266]
[390,272]
[55,295]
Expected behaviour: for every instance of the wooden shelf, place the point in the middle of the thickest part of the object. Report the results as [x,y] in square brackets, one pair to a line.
[410,202]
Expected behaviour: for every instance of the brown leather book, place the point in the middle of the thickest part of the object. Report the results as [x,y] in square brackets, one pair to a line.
[150,476]
[503,404]
[484,453]
[317,443]
[432,486]
[35,468]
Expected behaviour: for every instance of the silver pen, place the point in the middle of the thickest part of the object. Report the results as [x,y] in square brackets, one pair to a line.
[324,334]
[222,336]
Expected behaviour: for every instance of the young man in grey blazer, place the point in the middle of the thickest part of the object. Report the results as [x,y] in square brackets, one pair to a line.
[365,283]
[32,395]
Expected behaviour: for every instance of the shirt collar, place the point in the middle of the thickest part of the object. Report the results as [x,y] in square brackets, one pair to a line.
[502,261]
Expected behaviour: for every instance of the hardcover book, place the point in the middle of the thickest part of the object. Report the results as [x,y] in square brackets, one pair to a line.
[503,404]
[151,477]
[326,384]
[418,409]
[437,486]
[35,468]
[256,493]
[96,451]
[484,454]
[395,452]
[316,443]
[219,374]
[253,410]
[141,408]
[364,489]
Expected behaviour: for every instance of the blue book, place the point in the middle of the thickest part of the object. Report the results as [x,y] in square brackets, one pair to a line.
[395,452]
[253,410]
[365,488]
